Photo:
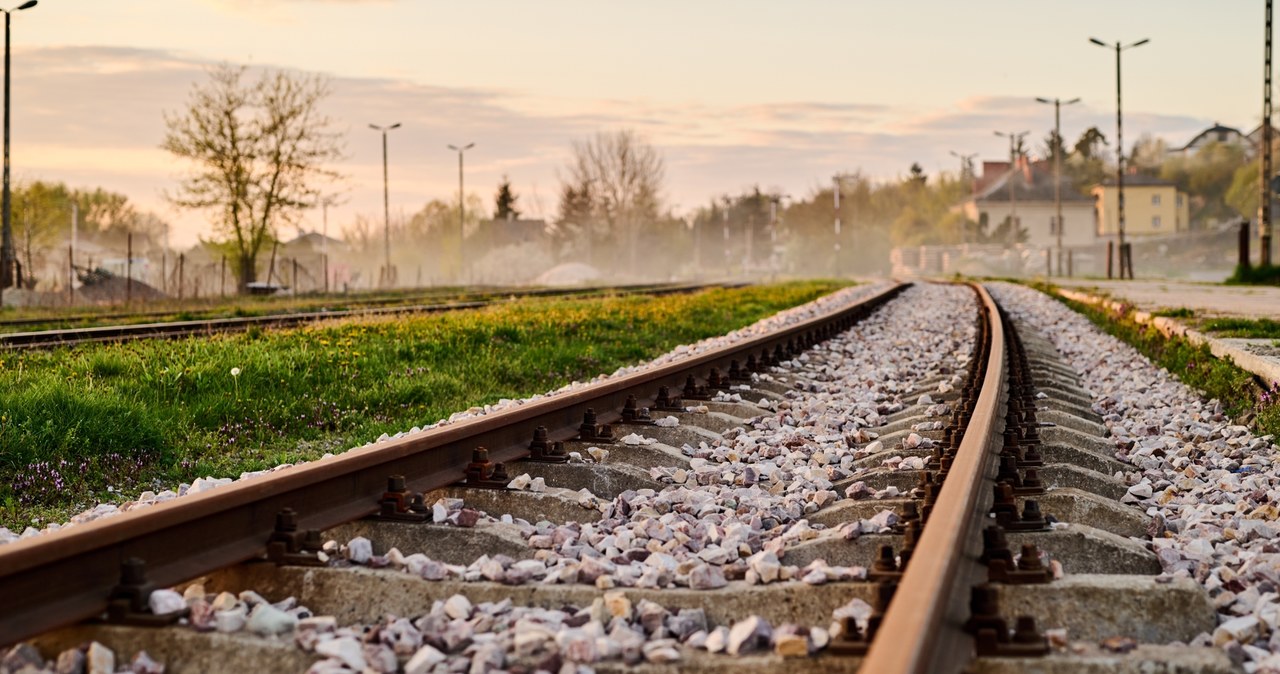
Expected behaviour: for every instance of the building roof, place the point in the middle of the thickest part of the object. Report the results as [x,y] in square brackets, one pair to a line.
[314,239]
[1138,180]
[1215,133]
[1039,189]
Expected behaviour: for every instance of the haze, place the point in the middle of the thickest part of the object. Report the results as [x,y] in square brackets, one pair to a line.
[735,94]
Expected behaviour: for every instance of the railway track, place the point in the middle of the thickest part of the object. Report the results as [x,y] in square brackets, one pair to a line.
[947,506]
[173,329]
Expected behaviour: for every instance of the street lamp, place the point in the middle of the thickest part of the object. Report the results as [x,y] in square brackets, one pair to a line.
[1057,168]
[1015,140]
[388,276]
[835,192]
[1124,255]
[6,230]
[966,164]
[462,209]
[728,262]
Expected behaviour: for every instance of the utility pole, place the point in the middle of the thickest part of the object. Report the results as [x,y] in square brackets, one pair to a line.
[1057,169]
[462,212]
[728,260]
[388,274]
[7,253]
[1264,176]
[1014,140]
[966,175]
[835,192]
[1125,262]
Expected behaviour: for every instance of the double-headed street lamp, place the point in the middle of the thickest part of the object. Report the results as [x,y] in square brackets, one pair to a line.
[388,277]
[6,231]
[462,209]
[1124,256]
[1057,168]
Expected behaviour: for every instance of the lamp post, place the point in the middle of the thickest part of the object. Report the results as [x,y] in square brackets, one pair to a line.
[728,260]
[6,227]
[1124,254]
[1264,175]
[462,209]
[388,276]
[1015,139]
[774,202]
[966,164]
[835,192]
[1057,168]
[966,174]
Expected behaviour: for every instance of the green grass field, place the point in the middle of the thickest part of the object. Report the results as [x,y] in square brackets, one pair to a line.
[92,423]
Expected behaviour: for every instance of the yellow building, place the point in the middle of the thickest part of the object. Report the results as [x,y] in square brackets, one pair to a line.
[1151,206]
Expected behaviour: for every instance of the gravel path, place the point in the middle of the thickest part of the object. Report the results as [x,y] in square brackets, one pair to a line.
[1210,485]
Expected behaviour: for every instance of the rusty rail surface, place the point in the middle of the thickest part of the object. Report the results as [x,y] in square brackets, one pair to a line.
[173,329]
[63,577]
[922,631]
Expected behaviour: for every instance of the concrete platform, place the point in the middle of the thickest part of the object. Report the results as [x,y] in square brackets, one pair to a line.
[1259,356]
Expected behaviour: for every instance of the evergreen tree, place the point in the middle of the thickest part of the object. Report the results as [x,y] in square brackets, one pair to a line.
[505,201]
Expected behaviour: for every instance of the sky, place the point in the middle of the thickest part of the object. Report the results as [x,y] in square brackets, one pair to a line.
[734,93]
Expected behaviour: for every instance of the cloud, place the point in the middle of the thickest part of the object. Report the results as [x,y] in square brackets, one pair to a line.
[94,116]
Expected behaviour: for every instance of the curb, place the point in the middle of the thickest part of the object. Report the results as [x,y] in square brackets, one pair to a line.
[1268,370]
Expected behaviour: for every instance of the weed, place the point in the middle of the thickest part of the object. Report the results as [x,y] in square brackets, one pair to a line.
[1241,396]
[1261,328]
[1255,275]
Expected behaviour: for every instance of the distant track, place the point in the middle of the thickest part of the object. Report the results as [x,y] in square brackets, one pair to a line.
[41,339]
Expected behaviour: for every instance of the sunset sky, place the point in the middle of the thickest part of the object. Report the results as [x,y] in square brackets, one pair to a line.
[735,92]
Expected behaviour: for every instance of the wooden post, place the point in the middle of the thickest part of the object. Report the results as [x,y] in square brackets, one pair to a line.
[325,257]
[1128,258]
[182,263]
[71,276]
[1111,246]
[295,277]
[128,274]
[222,282]
[1243,260]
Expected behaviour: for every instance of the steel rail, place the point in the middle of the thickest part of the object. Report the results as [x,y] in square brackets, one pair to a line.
[176,329]
[62,577]
[922,631]
[359,299]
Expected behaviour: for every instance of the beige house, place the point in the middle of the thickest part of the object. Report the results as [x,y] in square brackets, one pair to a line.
[1027,193]
[1151,206]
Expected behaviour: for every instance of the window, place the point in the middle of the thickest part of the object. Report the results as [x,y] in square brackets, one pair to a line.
[1155,200]
[1155,222]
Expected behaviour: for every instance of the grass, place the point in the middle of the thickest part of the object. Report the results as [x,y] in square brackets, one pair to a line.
[1242,397]
[1180,312]
[1255,275]
[1260,328]
[92,423]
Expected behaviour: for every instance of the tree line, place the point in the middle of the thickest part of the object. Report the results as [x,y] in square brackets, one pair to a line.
[259,155]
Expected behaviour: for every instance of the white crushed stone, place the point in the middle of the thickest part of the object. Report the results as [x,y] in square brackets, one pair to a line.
[1209,484]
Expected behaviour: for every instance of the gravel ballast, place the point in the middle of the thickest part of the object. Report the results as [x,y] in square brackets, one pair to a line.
[1209,484]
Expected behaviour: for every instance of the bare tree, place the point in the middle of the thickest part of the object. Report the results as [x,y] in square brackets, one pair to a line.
[260,151]
[623,175]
